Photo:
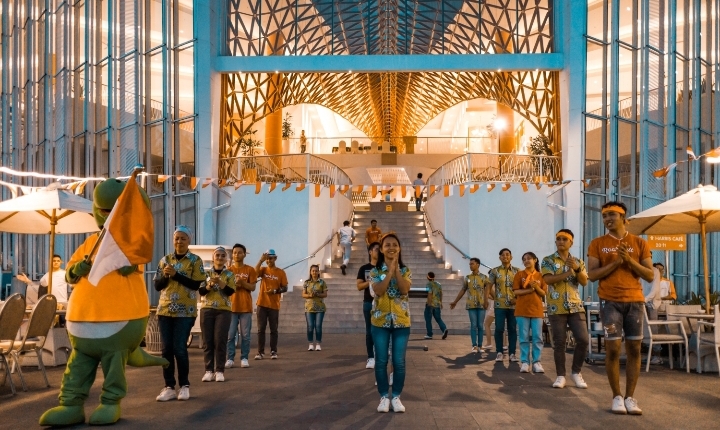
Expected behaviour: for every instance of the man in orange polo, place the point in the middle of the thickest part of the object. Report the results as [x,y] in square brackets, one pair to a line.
[618,260]
[242,308]
[372,234]
[273,283]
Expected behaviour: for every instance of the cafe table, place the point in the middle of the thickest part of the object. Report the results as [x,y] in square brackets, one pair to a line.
[693,316]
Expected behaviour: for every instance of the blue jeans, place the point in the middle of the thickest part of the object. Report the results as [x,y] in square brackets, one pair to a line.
[477,328]
[242,323]
[430,313]
[314,324]
[501,316]
[174,333]
[367,307]
[418,203]
[530,332]
[381,337]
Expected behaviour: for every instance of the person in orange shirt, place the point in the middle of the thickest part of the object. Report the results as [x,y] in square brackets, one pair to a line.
[618,260]
[242,308]
[530,289]
[372,234]
[273,283]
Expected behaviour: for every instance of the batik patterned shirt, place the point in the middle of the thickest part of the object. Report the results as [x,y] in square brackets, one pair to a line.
[315,304]
[563,297]
[176,300]
[475,286]
[435,288]
[502,279]
[216,298]
[392,308]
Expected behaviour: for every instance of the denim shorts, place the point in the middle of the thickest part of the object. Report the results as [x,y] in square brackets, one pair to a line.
[621,317]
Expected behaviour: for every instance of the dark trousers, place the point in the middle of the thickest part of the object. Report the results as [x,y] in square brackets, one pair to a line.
[265,315]
[502,316]
[418,203]
[174,333]
[215,325]
[578,326]
[369,344]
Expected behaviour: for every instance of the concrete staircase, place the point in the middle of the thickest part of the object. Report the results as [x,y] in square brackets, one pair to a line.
[344,301]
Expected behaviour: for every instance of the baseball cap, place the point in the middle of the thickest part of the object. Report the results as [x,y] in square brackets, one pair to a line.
[271,253]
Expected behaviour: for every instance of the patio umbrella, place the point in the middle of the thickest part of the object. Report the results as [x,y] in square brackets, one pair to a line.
[47,211]
[697,211]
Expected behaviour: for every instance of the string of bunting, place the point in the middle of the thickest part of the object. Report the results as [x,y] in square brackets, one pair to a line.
[664,171]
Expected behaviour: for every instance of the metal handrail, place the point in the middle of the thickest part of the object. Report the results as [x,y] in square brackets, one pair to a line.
[296,168]
[332,234]
[497,167]
[448,242]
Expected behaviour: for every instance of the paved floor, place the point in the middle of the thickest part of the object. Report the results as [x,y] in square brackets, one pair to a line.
[446,387]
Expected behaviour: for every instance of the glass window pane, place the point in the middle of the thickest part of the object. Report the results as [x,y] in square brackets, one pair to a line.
[185,211]
[183,12]
[185,82]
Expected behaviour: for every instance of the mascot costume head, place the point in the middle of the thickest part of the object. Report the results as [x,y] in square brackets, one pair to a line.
[106,323]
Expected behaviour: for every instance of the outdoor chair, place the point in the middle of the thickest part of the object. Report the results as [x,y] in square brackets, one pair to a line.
[669,338]
[709,338]
[11,318]
[41,321]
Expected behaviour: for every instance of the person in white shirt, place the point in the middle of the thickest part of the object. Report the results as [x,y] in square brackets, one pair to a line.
[59,285]
[345,237]
[653,299]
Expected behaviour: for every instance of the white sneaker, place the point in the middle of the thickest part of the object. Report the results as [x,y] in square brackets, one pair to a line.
[384,405]
[184,393]
[514,358]
[578,380]
[244,363]
[397,405]
[499,357]
[311,347]
[632,407]
[618,405]
[370,363]
[317,347]
[208,376]
[525,368]
[229,364]
[537,367]
[167,393]
[474,349]
[259,356]
[559,382]
[219,377]
[390,379]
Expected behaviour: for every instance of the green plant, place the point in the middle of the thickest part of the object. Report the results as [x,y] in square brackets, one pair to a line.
[287,131]
[247,143]
[696,299]
[540,145]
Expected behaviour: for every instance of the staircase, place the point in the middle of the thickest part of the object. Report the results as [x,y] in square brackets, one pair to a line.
[344,301]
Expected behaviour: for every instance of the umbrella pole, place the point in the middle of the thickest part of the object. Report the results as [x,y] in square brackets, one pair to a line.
[705,264]
[53,222]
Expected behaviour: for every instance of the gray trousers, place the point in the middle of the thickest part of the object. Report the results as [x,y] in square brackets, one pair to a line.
[559,325]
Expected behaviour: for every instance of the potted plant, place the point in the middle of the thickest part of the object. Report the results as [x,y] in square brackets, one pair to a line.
[287,132]
[246,148]
[540,146]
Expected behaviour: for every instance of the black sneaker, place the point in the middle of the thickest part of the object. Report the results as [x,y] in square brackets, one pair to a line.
[445,333]
[342,267]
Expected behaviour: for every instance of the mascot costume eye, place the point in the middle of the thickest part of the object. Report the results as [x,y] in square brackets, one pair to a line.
[105,323]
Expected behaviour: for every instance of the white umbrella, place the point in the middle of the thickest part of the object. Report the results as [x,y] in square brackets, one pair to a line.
[47,211]
[697,211]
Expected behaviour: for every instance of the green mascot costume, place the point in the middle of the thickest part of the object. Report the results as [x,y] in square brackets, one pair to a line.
[106,324]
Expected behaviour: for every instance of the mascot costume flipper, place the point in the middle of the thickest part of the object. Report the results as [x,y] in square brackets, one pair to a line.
[105,322]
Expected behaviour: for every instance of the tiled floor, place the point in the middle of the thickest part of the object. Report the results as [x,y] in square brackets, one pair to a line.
[446,387]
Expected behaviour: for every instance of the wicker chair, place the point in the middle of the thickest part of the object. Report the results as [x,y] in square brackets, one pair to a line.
[11,318]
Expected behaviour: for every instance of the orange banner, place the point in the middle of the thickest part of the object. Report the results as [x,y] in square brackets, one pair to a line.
[431,191]
[373,191]
[490,187]
[287,185]
[272,186]
[506,186]
[446,190]
[403,191]
[258,187]
[461,189]
[318,189]
[300,187]
[474,188]
[524,187]
[332,191]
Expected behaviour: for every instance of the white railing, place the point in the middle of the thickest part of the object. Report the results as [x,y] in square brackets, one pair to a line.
[377,145]
[496,167]
[303,168]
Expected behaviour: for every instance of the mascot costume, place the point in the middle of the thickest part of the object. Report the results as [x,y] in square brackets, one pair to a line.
[105,323]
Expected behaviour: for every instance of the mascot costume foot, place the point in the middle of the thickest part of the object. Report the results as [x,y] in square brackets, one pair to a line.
[105,323]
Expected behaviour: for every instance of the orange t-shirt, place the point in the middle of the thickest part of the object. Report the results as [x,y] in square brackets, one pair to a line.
[622,285]
[115,298]
[528,305]
[372,235]
[271,279]
[242,299]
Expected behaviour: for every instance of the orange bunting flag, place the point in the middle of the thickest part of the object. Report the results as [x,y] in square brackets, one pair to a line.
[373,191]
[332,190]
[587,182]
[490,187]
[713,153]
[162,178]
[691,154]
[221,183]
[300,187]
[431,191]
[287,185]
[179,177]
[474,188]
[238,184]
[272,186]
[207,182]
[663,172]
[318,188]
[446,190]
[124,243]
[538,185]
[344,189]
[418,191]
[506,186]
[461,188]
[193,182]
[403,191]
[79,190]
[359,189]
[258,187]
[524,187]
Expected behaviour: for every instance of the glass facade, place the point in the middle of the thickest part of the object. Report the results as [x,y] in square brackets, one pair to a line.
[91,88]
[651,94]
